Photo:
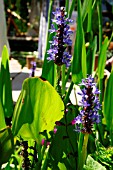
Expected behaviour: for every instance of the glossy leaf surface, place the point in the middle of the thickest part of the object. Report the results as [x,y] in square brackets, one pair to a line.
[37,108]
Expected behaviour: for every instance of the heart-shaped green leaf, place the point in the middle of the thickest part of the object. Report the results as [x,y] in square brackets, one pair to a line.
[37,109]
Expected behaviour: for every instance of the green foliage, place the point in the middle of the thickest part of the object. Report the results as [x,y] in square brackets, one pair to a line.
[77,56]
[102,58]
[104,155]
[39,105]
[49,71]
[2,117]
[5,85]
[108,106]
[64,145]
[91,164]
[91,56]
[6,144]
[87,7]
[37,109]
[72,8]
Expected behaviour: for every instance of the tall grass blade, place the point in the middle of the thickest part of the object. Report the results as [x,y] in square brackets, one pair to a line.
[48,70]
[77,56]
[5,84]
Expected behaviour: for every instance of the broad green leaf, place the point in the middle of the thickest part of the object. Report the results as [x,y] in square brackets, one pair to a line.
[6,144]
[108,102]
[77,56]
[5,84]
[91,164]
[37,109]
[102,58]
[2,118]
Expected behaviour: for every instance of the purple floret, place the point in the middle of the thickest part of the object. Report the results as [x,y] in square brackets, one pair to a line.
[58,50]
[90,106]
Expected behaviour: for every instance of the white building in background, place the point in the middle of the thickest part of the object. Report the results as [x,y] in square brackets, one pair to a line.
[43,27]
[3,30]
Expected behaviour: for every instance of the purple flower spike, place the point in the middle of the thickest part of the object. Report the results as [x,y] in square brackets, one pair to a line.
[32,74]
[90,106]
[58,50]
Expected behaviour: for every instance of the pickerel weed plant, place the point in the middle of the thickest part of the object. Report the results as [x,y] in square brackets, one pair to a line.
[59,51]
[90,106]
[63,120]
[89,115]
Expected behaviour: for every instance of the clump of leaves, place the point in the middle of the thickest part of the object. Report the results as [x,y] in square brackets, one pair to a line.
[104,156]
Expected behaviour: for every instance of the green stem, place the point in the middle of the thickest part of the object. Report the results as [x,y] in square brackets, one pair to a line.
[63,79]
[101,94]
[84,152]
[44,166]
[67,6]
[55,76]
[80,143]
[58,87]
[68,133]
[67,75]
[38,146]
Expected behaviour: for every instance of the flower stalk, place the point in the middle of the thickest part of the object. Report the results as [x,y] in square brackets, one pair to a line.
[89,108]
[83,154]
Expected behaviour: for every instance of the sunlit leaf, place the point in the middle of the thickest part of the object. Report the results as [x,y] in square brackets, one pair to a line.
[5,84]
[37,109]
[102,58]
[91,164]
[84,63]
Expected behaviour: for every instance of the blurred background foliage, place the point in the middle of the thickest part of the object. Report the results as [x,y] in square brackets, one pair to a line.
[21,16]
